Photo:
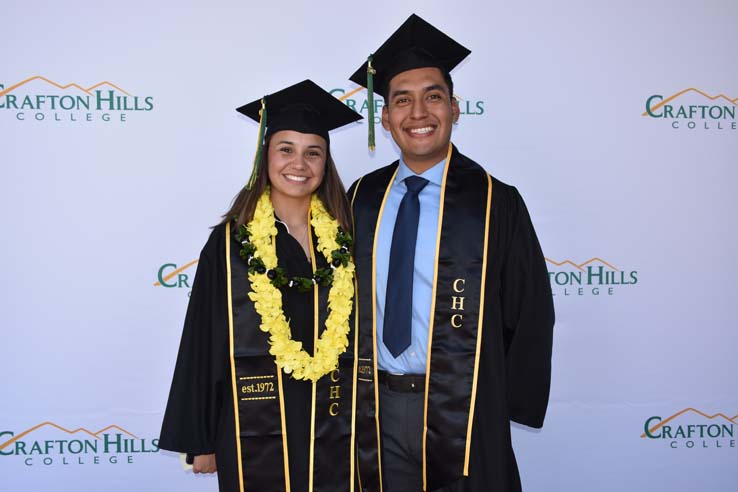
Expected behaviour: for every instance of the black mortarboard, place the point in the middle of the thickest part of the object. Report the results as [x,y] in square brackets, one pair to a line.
[415,44]
[303,107]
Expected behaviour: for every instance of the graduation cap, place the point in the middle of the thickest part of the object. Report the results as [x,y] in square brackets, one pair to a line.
[415,44]
[303,107]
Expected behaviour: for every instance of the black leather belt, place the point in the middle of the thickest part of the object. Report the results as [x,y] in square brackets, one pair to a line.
[403,383]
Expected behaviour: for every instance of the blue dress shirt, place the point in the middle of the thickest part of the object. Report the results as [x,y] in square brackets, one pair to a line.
[412,360]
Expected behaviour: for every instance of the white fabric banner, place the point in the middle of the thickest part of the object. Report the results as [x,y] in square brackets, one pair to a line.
[120,147]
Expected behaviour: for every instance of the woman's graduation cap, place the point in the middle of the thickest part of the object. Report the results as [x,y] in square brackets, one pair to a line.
[415,44]
[303,107]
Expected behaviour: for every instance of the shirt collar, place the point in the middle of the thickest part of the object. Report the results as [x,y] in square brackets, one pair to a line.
[433,175]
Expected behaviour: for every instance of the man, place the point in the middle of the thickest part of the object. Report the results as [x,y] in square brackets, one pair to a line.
[456,319]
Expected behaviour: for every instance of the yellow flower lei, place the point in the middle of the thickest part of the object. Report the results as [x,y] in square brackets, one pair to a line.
[288,353]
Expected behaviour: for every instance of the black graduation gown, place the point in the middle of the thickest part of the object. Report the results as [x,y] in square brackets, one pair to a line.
[199,418]
[514,358]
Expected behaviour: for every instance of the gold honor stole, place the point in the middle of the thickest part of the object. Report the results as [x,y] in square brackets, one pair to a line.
[455,331]
[258,396]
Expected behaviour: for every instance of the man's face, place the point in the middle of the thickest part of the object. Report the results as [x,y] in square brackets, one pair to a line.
[419,112]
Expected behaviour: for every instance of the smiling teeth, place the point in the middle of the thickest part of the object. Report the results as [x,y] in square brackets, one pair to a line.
[422,131]
[299,179]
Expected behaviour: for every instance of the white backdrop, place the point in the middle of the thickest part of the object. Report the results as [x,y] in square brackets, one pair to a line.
[110,183]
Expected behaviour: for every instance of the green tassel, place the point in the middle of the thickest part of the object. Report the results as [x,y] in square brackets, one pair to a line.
[259,144]
[370,100]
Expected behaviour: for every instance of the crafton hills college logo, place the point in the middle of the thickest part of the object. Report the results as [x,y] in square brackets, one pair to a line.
[171,276]
[50,444]
[691,428]
[693,109]
[592,277]
[41,99]
[356,100]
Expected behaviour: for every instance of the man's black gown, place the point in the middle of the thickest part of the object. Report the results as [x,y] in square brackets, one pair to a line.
[515,351]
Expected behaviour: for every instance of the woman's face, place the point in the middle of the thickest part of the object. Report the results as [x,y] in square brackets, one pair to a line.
[296,163]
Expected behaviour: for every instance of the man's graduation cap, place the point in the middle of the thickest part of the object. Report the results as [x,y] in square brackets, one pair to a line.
[415,44]
[303,107]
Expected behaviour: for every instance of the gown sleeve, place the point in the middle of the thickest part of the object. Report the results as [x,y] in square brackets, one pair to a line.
[196,395]
[528,319]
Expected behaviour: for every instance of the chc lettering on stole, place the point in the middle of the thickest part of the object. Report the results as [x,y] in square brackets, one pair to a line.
[457,303]
[335,392]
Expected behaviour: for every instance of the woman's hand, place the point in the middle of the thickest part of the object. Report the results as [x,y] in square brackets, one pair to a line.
[204,463]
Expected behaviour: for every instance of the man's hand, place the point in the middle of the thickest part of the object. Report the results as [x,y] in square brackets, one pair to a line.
[204,463]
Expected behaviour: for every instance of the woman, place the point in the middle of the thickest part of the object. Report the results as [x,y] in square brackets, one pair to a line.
[263,385]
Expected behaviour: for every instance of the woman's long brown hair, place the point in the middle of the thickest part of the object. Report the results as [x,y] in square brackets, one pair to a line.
[330,191]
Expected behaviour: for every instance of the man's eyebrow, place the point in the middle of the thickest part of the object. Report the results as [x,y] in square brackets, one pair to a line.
[434,87]
[402,92]
[399,93]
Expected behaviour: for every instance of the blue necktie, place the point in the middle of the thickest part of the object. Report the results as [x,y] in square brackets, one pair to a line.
[398,305]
